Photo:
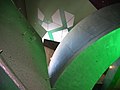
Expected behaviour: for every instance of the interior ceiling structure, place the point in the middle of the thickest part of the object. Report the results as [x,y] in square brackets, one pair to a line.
[80,8]
[56,18]
[23,52]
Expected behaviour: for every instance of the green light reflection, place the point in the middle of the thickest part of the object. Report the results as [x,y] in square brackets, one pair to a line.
[89,65]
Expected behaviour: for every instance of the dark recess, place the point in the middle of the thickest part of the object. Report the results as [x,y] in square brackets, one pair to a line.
[103,3]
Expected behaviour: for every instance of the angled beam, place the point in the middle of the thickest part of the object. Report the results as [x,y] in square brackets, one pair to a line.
[23,50]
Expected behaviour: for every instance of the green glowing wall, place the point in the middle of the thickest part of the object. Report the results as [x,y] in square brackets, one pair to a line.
[23,50]
[89,65]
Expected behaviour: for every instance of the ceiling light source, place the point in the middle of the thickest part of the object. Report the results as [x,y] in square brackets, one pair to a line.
[111,67]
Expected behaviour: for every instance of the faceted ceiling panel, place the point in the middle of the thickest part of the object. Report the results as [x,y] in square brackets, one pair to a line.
[58,27]
[40,15]
[55,15]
